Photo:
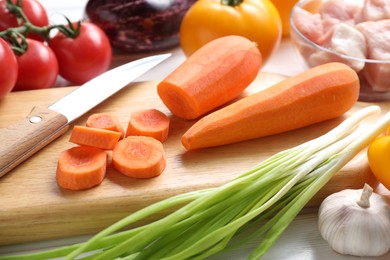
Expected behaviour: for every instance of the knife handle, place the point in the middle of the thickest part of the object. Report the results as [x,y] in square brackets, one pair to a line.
[21,140]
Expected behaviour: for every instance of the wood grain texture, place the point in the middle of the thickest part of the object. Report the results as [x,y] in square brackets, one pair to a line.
[34,208]
[23,138]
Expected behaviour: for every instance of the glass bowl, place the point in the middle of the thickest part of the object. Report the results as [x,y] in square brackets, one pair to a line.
[374,75]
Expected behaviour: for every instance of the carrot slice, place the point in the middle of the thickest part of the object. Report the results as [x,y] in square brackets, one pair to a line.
[105,121]
[149,122]
[99,138]
[81,167]
[318,94]
[215,74]
[139,157]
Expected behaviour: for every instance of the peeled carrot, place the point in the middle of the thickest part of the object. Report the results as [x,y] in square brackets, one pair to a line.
[318,94]
[105,121]
[215,74]
[149,122]
[139,157]
[81,168]
[99,138]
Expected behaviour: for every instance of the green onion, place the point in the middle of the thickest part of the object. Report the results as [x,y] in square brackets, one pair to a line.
[259,204]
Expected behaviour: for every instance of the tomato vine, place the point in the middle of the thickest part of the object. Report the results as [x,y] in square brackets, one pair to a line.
[76,51]
[17,35]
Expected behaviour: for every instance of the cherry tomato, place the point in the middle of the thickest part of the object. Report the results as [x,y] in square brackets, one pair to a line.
[33,10]
[206,20]
[38,67]
[8,68]
[85,57]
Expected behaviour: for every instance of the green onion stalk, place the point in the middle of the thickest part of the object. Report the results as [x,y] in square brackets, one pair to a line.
[259,204]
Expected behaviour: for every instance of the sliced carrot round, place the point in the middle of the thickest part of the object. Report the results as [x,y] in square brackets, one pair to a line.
[81,168]
[139,157]
[94,137]
[149,122]
[105,121]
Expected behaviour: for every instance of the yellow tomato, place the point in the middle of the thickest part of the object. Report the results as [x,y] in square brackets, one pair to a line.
[206,20]
[378,155]
[285,7]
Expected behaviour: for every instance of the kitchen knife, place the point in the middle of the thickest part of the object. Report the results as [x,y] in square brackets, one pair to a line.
[44,124]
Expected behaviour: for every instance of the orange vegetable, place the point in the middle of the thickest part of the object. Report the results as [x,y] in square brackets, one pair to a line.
[378,155]
[149,122]
[214,75]
[318,94]
[139,157]
[105,121]
[99,138]
[81,168]
[284,8]
[207,20]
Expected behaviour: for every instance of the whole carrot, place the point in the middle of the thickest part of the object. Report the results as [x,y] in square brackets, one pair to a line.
[318,94]
[215,74]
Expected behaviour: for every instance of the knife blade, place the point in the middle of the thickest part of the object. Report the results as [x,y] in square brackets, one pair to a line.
[44,124]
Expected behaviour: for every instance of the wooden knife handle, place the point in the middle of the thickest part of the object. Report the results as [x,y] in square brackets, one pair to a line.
[22,139]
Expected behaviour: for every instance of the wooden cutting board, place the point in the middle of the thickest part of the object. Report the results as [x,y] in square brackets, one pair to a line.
[34,208]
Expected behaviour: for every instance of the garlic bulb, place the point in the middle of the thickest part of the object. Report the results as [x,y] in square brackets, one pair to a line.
[356,222]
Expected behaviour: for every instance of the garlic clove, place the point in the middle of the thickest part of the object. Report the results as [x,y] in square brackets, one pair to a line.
[354,230]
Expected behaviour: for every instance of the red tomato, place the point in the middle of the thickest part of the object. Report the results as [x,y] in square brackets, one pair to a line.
[8,68]
[38,67]
[33,10]
[84,57]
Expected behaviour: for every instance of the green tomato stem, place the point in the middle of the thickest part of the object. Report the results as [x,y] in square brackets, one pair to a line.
[231,2]
[16,36]
[17,10]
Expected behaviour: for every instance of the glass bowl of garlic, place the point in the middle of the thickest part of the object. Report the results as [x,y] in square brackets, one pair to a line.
[354,32]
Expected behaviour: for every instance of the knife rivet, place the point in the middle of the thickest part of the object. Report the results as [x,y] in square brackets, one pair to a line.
[35,119]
